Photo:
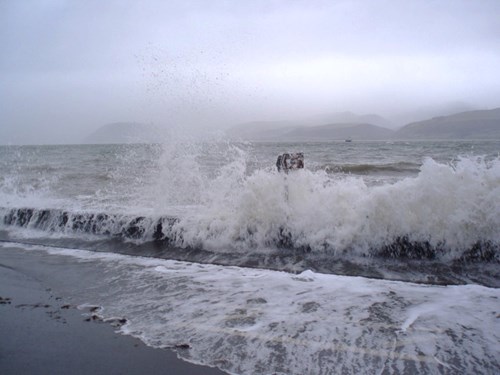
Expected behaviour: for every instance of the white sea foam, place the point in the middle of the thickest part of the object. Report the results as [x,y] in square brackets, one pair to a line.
[451,206]
[250,321]
[226,201]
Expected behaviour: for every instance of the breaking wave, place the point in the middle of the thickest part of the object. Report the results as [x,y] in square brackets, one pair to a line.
[365,169]
[233,210]
[450,208]
[445,212]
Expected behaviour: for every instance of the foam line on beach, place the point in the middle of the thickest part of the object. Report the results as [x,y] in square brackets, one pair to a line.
[297,320]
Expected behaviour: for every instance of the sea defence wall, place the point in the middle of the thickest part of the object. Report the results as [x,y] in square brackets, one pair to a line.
[161,237]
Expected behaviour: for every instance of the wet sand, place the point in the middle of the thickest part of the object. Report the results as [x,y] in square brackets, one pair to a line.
[40,333]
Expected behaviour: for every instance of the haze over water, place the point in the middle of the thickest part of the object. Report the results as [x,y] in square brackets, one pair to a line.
[67,68]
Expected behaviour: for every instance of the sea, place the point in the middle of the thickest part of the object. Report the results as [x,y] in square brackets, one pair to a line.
[376,257]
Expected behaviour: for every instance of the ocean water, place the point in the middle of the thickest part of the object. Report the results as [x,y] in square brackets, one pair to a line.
[378,257]
[379,209]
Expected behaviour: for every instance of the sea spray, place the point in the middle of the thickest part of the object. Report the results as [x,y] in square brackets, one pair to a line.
[449,206]
[229,198]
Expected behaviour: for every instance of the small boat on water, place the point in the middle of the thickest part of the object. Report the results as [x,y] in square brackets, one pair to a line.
[348,140]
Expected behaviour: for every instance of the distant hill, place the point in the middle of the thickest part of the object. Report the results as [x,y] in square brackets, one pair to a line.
[422,113]
[484,124]
[339,131]
[262,130]
[351,118]
[289,131]
[340,125]
[123,132]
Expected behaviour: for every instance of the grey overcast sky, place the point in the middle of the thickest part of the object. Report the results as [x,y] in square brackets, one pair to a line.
[67,67]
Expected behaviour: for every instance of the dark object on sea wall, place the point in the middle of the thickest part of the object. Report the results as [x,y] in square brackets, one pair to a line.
[159,230]
[399,259]
[402,247]
[122,226]
[483,251]
[288,162]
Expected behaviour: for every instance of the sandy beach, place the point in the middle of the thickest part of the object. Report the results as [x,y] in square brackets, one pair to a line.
[42,334]
[241,320]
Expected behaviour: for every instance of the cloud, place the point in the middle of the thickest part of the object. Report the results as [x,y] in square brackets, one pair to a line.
[75,65]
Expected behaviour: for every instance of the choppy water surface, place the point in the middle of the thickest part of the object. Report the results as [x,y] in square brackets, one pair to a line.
[156,177]
[416,211]
[420,199]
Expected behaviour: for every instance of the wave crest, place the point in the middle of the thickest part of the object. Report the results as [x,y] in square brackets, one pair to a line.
[451,207]
[447,212]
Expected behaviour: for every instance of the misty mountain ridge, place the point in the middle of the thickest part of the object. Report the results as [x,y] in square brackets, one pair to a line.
[340,131]
[422,113]
[479,124]
[323,133]
[337,125]
[262,130]
[351,118]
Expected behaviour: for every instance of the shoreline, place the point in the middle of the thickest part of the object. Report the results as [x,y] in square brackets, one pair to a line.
[243,321]
[42,334]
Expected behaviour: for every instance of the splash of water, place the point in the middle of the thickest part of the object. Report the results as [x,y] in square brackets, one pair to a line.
[448,206]
[226,201]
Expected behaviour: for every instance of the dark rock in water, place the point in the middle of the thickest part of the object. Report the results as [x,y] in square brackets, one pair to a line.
[158,233]
[117,322]
[135,229]
[128,227]
[33,306]
[286,241]
[42,217]
[287,162]
[402,247]
[284,238]
[94,318]
[5,301]
[480,252]
[63,219]
[25,216]
[182,346]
